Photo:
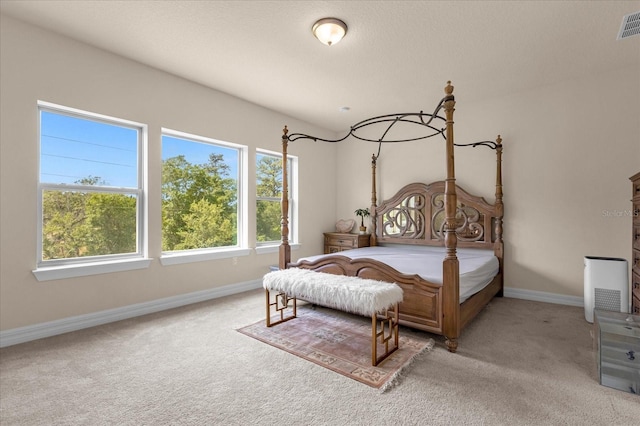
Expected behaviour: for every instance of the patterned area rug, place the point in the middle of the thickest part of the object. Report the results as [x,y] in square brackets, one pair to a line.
[340,342]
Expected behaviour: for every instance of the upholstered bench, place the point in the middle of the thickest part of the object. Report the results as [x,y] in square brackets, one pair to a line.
[376,299]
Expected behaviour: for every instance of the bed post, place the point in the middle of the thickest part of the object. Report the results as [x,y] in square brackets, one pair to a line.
[450,265]
[498,247]
[285,248]
[373,240]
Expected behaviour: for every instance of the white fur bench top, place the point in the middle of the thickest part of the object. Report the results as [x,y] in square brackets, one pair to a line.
[351,294]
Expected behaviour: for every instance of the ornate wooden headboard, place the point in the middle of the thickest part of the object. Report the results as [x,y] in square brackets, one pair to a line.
[416,215]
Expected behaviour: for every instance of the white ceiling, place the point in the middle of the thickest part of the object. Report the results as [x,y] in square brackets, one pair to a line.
[396,57]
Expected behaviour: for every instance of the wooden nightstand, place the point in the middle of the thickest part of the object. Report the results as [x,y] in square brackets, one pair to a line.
[336,241]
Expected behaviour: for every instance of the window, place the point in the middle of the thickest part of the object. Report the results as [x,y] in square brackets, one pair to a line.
[90,191]
[201,190]
[268,197]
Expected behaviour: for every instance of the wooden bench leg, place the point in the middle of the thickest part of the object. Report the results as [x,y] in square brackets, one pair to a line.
[281,305]
[388,321]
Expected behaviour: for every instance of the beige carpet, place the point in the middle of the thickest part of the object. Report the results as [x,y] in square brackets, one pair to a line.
[519,363]
[341,342]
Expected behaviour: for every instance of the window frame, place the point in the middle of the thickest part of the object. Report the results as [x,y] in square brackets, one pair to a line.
[89,265]
[211,253]
[265,246]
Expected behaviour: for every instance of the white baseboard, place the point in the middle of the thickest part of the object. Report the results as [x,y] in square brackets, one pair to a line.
[542,296]
[65,325]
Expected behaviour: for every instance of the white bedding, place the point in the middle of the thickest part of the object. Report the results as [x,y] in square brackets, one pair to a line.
[477,267]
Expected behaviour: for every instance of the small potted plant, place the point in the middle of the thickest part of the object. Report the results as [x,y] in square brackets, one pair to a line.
[362,213]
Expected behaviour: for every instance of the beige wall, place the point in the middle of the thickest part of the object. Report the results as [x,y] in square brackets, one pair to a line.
[569,149]
[38,65]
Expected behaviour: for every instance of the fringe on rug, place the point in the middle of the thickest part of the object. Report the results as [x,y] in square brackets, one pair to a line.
[397,377]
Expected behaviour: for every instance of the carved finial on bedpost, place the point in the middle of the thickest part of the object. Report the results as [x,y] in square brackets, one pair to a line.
[449,89]
[285,248]
[373,240]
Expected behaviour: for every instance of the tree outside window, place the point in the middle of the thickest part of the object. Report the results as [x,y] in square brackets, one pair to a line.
[268,197]
[199,194]
[90,187]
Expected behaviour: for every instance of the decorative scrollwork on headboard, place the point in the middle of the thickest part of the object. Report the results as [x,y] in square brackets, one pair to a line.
[416,215]
[469,220]
[405,220]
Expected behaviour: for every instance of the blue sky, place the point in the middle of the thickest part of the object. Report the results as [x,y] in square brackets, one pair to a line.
[75,148]
[198,152]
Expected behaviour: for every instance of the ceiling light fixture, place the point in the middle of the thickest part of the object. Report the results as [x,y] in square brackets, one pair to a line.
[329,30]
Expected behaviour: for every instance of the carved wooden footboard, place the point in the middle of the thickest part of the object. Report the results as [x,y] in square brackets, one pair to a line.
[422,305]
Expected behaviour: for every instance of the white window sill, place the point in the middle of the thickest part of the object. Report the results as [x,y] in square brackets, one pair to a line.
[85,269]
[201,255]
[275,248]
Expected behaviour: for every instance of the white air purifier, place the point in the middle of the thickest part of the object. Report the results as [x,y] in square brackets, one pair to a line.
[606,285]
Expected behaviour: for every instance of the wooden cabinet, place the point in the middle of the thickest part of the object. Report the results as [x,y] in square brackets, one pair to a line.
[336,241]
[635,250]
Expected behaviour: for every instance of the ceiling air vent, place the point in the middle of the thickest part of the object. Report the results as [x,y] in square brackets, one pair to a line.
[630,26]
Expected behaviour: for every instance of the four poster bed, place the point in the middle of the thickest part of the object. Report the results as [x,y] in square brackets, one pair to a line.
[422,225]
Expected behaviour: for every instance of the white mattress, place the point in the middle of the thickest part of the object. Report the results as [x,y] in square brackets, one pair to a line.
[477,267]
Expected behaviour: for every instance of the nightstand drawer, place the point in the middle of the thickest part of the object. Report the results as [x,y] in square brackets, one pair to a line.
[335,241]
[340,241]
